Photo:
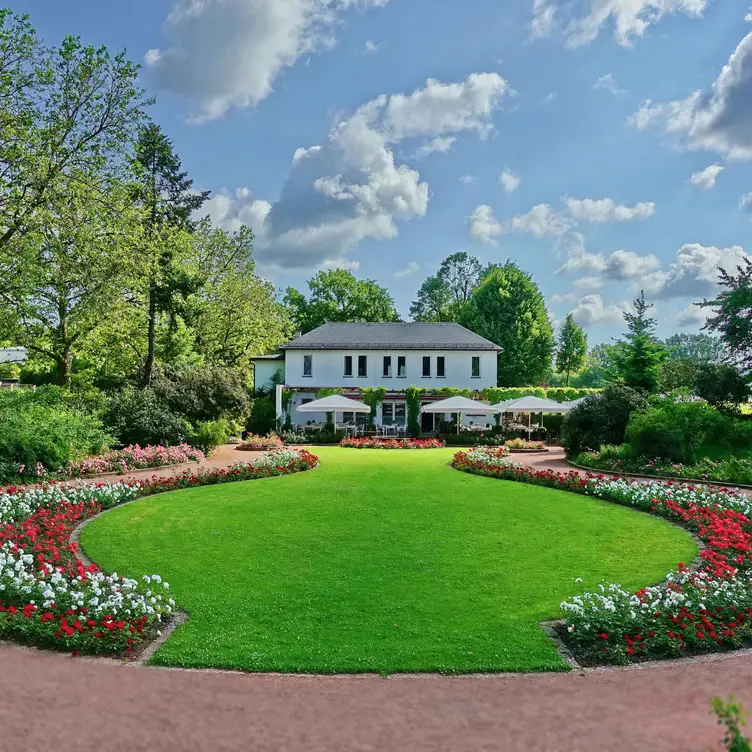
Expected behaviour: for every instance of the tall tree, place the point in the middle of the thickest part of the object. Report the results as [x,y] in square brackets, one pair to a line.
[571,353]
[65,112]
[643,354]
[85,258]
[166,192]
[732,314]
[442,295]
[337,295]
[507,307]
[702,348]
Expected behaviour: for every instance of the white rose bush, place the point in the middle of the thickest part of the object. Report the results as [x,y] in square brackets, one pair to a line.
[50,598]
[695,609]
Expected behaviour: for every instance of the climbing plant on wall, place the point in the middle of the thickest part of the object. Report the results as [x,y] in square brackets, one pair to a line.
[413,395]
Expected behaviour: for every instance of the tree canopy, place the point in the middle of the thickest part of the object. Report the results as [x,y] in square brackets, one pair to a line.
[442,296]
[643,355]
[571,353]
[508,308]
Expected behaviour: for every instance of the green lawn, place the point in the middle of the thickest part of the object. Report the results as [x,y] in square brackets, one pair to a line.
[380,561]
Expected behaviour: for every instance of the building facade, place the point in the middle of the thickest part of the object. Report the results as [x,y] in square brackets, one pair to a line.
[391,355]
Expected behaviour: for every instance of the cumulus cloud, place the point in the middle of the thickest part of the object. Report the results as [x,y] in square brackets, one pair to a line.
[607,210]
[748,17]
[693,273]
[542,221]
[228,53]
[630,18]
[544,18]
[592,310]
[441,144]
[232,211]
[608,83]
[692,316]
[706,178]
[587,284]
[510,181]
[351,187]
[484,227]
[718,119]
[371,48]
[621,265]
[411,268]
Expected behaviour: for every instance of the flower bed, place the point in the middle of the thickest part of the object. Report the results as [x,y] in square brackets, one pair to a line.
[48,597]
[377,443]
[731,470]
[707,608]
[261,443]
[525,445]
[133,458]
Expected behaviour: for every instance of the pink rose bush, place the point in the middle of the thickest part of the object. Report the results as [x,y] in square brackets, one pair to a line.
[50,598]
[379,443]
[699,609]
[133,457]
[254,442]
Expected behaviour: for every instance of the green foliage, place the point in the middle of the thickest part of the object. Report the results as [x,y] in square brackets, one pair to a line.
[733,717]
[679,373]
[702,348]
[571,353]
[373,397]
[263,414]
[208,435]
[337,295]
[507,308]
[287,396]
[443,296]
[412,400]
[141,416]
[558,394]
[731,317]
[43,426]
[640,368]
[722,385]
[685,431]
[601,419]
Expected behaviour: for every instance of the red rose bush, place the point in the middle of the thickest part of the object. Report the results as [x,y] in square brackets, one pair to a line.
[49,597]
[382,443]
[699,609]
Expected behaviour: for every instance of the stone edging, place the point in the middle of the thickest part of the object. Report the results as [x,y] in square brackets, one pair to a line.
[664,478]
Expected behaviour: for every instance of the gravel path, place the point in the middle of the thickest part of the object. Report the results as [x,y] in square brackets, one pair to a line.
[52,701]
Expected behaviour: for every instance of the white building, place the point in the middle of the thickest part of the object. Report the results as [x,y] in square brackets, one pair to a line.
[392,355]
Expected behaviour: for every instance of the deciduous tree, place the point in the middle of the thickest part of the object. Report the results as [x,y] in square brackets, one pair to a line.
[571,354]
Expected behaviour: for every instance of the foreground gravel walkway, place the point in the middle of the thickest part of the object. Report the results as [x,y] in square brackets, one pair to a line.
[51,701]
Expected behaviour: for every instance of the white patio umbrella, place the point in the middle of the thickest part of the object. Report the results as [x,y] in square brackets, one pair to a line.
[532,405]
[335,403]
[459,405]
[574,403]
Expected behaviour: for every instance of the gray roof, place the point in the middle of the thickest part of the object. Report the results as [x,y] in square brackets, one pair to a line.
[397,336]
[276,356]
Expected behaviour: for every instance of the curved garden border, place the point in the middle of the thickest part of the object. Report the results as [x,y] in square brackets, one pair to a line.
[55,597]
[695,610]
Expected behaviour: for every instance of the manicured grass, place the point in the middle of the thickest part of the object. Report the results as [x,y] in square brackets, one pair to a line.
[379,561]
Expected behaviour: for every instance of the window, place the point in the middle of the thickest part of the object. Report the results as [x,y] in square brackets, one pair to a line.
[440,367]
[399,414]
[306,400]
[362,366]
[387,367]
[348,365]
[401,367]
[475,372]
[308,365]
[393,414]
[427,367]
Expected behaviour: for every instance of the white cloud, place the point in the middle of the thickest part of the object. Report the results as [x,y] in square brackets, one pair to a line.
[484,227]
[607,210]
[411,268]
[693,273]
[233,211]
[441,144]
[608,82]
[630,18]
[748,17]
[553,96]
[544,18]
[371,48]
[587,284]
[228,53]
[718,119]
[510,181]
[706,178]
[349,264]
[541,221]
[621,265]
[692,316]
[467,179]
[745,203]
[591,310]
[351,187]
[441,108]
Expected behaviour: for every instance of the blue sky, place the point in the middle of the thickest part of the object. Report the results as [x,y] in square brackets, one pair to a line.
[624,128]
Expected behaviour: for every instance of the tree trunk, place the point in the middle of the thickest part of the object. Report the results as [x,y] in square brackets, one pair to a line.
[64,364]
[151,337]
[566,383]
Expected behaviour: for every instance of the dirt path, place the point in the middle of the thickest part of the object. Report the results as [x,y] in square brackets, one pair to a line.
[51,701]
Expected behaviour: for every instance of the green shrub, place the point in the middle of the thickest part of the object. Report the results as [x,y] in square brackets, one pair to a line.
[722,385]
[601,419]
[208,435]
[140,416]
[263,415]
[41,426]
[684,432]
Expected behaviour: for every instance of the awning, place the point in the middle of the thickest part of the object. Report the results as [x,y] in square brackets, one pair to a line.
[458,405]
